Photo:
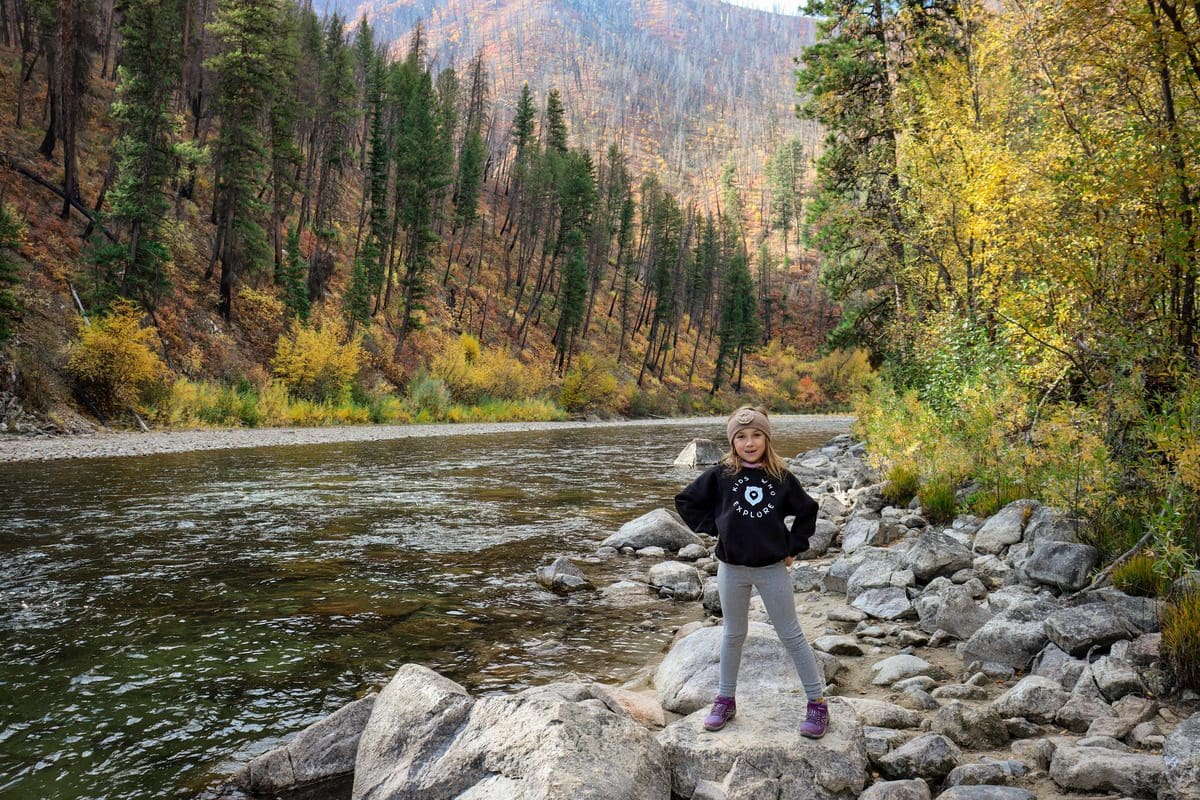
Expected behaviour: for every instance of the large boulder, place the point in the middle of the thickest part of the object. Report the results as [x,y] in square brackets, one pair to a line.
[934,554]
[762,754]
[1085,705]
[821,539]
[890,603]
[427,739]
[1034,697]
[837,577]
[985,792]
[323,751]
[1012,637]
[1005,527]
[1181,757]
[1064,566]
[562,576]
[971,728]
[881,714]
[915,789]
[930,756]
[864,531]
[952,609]
[1099,769]
[699,453]
[1048,524]
[1078,629]
[898,667]
[875,572]
[1058,665]
[677,580]
[659,528]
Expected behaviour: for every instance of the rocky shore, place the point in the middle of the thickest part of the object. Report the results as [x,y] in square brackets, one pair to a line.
[965,662]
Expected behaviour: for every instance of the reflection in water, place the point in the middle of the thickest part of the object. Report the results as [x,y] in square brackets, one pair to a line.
[162,618]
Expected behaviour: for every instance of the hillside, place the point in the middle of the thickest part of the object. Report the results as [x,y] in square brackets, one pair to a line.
[682,85]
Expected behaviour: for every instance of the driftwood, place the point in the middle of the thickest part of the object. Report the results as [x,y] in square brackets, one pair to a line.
[12,164]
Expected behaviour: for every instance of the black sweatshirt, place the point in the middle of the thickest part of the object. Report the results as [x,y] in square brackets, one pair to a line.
[745,511]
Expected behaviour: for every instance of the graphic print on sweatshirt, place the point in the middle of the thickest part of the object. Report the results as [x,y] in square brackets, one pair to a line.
[755,496]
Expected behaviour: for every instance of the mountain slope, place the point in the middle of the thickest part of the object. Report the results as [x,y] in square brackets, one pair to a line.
[682,85]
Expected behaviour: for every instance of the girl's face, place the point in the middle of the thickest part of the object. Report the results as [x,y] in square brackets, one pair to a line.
[750,444]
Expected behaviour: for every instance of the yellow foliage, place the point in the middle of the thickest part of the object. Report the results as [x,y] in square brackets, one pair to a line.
[473,374]
[589,384]
[318,363]
[113,359]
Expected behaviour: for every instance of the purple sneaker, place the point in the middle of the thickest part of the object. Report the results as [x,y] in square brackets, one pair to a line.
[722,711]
[814,724]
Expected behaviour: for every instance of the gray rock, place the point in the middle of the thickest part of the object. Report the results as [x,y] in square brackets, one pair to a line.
[692,552]
[686,679]
[1048,524]
[875,572]
[952,609]
[711,598]
[838,645]
[1034,697]
[1012,637]
[1005,527]
[628,594]
[960,691]
[652,552]
[881,741]
[678,580]
[1085,705]
[839,572]
[918,699]
[845,614]
[1078,629]
[1057,665]
[881,714]
[1115,678]
[1037,752]
[863,531]
[930,756]
[887,603]
[428,738]
[322,751]
[699,453]
[1140,614]
[806,578]
[986,793]
[934,554]
[562,576]
[986,773]
[658,528]
[763,754]
[821,539]
[915,789]
[971,728]
[1064,566]
[1181,758]
[1098,769]
[899,667]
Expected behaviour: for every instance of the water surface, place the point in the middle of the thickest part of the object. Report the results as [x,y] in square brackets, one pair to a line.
[164,618]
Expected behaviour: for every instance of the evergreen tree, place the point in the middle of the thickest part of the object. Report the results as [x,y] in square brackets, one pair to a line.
[282,124]
[555,126]
[574,298]
[247,82]
[11,232]
[523,122]
[150,64]
[739,330]
[293,277]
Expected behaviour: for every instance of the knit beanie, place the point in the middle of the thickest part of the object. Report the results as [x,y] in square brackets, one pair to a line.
[747,417]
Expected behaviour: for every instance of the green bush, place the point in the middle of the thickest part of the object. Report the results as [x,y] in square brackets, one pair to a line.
[428,398]
[902,484]
[938,501]
[1138,576]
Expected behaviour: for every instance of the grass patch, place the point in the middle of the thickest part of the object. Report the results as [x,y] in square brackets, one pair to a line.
[1138,576]
[1180,622]
[902,485]
[938,501]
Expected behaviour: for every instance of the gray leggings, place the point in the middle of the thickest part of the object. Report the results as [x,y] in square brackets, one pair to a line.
[775,587]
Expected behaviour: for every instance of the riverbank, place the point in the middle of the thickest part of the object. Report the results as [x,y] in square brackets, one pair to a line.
[119,444]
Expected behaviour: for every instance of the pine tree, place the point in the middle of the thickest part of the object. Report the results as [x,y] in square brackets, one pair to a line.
[292,279]
[11,233]
[739,330]
[149,71]
[555,125]
[247,83]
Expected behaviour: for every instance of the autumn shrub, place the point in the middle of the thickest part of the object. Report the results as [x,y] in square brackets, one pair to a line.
[113,361]
[428,398]
[589,385]
[474,373]
[533,410]
[842,375]
[318,363]
[1180,623]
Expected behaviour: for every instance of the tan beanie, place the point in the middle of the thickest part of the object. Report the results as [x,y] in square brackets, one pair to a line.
[747,417]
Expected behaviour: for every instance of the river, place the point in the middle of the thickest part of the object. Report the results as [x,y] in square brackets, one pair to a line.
[164,618]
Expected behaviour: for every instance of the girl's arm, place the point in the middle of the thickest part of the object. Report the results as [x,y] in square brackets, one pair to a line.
[697,503]
[805,508]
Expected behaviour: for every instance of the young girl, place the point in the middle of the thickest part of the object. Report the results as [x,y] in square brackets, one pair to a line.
[743,501]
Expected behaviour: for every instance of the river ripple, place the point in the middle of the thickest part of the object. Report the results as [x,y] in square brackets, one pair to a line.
[164,618]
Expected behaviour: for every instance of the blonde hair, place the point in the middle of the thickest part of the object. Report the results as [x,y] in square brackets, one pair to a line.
[772,463]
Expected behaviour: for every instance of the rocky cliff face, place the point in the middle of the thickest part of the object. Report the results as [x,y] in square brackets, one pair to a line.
[959,664]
